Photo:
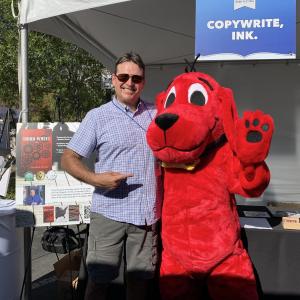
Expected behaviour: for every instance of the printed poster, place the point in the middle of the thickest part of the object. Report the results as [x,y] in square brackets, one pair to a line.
[245,29]
[45,194]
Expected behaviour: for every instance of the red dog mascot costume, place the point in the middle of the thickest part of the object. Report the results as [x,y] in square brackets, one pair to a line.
[209,154]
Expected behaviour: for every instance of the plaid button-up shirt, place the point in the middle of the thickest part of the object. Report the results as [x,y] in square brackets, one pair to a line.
[119,138]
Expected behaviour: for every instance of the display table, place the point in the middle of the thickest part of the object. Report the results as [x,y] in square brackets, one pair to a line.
[11,253]
[276,258]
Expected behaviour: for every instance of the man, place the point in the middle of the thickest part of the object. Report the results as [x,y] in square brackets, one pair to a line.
[126,203]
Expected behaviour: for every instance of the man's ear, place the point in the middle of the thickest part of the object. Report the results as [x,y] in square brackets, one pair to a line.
[229,115]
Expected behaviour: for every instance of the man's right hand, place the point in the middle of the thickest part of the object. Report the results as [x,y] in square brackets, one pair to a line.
[109,180]
[72,163]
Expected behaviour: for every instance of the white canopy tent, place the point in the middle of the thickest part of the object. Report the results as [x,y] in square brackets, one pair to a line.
[162,31]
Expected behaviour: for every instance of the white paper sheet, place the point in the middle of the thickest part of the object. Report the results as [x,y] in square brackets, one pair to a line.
[257,223]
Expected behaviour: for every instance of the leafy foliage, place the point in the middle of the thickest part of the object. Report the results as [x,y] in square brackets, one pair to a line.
[59,74]
[8,56]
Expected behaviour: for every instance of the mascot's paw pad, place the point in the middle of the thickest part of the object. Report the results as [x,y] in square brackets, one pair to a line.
[254,133]
[255,126]
[255,136]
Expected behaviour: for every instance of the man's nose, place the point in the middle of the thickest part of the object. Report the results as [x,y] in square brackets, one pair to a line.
[129,81]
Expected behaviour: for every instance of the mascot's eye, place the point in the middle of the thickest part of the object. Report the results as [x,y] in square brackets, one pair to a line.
[197,94]
[171,97]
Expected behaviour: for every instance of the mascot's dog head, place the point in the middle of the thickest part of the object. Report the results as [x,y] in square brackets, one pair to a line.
[193,113]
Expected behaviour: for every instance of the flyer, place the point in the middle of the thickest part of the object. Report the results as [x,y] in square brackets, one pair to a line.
[45,194]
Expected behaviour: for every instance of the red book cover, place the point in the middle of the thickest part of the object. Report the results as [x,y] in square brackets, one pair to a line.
[34,151]
[48,212]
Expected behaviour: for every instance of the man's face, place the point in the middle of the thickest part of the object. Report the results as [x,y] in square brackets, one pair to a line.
[32,193]
[128,92]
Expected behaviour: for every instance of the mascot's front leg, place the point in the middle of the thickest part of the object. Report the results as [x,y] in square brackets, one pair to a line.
[176,283]
[233,278]
[253,138]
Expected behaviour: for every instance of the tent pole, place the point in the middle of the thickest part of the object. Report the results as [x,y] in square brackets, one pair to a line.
[24,95]
[24,71]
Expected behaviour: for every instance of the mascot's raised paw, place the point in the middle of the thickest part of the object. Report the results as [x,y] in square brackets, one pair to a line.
[253,137]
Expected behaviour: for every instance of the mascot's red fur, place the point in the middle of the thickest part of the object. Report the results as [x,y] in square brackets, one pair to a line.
[209,154]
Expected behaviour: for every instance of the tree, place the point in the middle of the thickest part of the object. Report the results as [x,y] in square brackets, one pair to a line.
[59,74]
[8,56]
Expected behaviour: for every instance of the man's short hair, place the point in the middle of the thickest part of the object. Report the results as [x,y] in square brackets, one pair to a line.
[133,57]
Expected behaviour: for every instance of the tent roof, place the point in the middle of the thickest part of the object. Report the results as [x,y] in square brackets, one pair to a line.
[162,31]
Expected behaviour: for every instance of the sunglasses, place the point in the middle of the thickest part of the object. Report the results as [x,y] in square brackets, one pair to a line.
[134,78]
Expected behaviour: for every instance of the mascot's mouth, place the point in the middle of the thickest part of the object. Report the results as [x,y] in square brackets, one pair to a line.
[178,149]
[206,147]
[185,150]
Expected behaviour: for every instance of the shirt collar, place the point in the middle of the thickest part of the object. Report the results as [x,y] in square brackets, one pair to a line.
[125,107]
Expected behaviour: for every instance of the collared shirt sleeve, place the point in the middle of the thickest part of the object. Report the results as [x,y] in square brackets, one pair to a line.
[84,140]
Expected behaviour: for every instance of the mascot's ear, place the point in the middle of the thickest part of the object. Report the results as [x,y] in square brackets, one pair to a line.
[229,115]
[160,100]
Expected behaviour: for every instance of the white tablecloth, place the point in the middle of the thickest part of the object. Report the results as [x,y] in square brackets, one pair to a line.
[11,253]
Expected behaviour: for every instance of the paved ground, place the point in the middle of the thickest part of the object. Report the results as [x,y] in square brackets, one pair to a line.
[45,285]
[44,281]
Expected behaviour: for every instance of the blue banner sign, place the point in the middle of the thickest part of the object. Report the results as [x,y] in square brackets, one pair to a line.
[245,29]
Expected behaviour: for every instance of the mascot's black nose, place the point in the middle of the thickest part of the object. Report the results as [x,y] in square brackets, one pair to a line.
[165,121]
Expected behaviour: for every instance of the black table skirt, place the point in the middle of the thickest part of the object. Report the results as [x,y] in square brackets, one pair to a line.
[275,255]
